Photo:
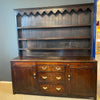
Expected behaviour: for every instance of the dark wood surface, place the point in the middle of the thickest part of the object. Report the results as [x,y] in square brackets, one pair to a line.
[71,79]
[87,5]
[53,59]
[55,49]
[81,80]
[69,28]
[57,26]
[59,38]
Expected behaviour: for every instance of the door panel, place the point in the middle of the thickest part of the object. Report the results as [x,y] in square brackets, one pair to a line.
[81,81]
[24,82]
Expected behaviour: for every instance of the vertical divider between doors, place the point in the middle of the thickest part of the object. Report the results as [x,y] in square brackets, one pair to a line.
[67,81]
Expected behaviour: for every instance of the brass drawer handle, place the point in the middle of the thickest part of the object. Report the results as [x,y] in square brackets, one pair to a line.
[58,89]
[44,68]
[58,78]
[44,77]
[58,68]
[45,88]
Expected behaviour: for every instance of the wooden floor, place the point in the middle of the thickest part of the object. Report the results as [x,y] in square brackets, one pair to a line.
[7,94]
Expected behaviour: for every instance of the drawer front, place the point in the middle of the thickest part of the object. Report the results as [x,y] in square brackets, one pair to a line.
[57,67]
[44,67]
[24,64]
[51,77]
[52,89]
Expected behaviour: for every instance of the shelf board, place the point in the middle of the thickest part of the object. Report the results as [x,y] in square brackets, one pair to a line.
[56,26]
[54,48]
[59,38]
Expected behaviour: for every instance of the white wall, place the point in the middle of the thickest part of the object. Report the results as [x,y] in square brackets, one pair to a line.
[8,34]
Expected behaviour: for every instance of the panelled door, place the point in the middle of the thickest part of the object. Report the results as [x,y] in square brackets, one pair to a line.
[23,77]
[81,82]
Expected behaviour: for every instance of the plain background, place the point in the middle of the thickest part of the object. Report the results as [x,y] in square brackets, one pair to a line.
[8,33]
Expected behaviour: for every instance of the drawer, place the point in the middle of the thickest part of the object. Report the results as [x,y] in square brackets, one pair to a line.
[24,64]
[58,68]
[51,77]
[44,67]
[51,67]
[52,89]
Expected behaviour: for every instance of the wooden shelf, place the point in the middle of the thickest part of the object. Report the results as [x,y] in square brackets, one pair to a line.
[54,48]
[56,26]
[59,38]
[73,37]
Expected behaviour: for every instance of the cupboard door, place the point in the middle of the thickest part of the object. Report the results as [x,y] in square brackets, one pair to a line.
[81,80]
[22,77]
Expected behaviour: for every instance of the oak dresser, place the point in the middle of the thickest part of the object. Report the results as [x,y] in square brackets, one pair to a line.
[55,52]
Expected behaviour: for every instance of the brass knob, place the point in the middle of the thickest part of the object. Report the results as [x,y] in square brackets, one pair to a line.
[58,89]
[44,77]
[34,75]
[68,79]
[69,76]
[58,78]
[44,68]
[58,68]
[45,88]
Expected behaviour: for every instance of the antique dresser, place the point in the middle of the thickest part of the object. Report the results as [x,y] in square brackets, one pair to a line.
[55,52]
